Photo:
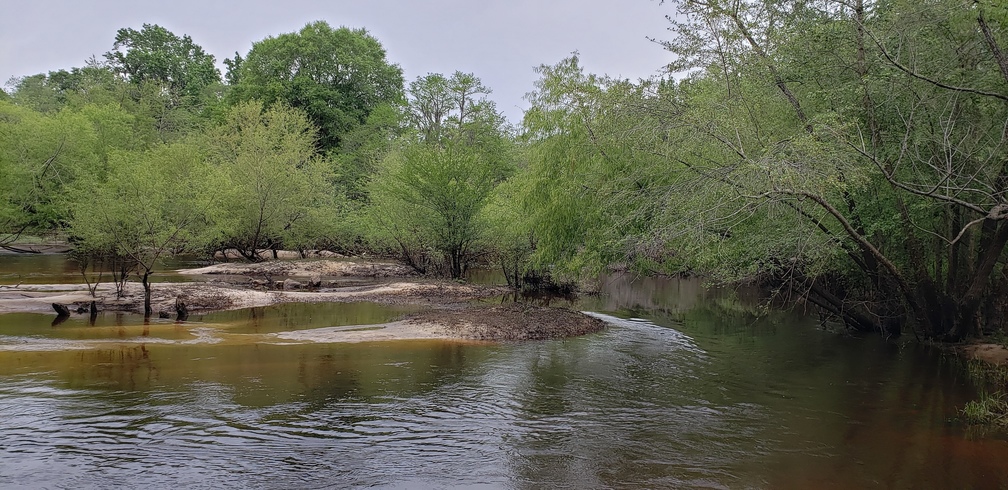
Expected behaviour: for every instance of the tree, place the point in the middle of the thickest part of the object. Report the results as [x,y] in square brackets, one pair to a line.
[156,55]
[428,200]
[336,76]
[429,193]
[580,202]
[43,156]
[441,107]
[274,184]
[154,203]
[94,83]
[363,149]
[849,153]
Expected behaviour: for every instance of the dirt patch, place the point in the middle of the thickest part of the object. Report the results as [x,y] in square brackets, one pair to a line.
[990,353]
[232,254]
[508,323]
[433,293]
[401,330]
[514,322]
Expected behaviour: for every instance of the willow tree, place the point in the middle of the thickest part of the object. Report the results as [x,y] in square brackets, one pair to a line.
[45,155]
[582,198]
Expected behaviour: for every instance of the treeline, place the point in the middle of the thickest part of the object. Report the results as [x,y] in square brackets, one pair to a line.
[315,142]
[850,155]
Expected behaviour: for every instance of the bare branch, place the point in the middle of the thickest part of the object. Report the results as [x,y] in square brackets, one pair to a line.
[932,81]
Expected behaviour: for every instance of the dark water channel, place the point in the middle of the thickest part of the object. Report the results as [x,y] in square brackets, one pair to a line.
[688,388]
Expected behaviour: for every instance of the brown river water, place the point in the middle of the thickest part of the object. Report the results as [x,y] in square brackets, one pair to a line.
[689,388]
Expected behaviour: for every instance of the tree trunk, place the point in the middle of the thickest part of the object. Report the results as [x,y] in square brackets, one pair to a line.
[968,310]
[147,294]
[455,263]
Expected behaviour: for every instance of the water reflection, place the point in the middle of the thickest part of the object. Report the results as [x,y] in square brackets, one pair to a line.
[58,269]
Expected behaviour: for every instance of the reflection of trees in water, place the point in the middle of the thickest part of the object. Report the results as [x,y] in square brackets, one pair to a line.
[548,379]
[625,291]
[669,294]
[665,294]
[359,373]
[852,412]
[571,427]
[541,298]
[871,413]
[125,368]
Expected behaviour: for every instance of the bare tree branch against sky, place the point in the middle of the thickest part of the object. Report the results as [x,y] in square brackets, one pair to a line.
[501,41]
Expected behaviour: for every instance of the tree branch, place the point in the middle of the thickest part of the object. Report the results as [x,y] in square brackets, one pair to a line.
[937,83]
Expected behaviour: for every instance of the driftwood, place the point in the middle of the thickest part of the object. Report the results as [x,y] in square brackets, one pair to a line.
[62,313]
[61,310]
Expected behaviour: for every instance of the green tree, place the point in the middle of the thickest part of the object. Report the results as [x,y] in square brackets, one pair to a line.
[154,203]
[156,55]
[851,154]
[43,156]
[362,151]
[427,198]
[275,191]
[336,76]
[94,83]
[581,201]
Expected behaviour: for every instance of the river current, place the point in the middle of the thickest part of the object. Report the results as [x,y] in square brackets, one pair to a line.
[688,388]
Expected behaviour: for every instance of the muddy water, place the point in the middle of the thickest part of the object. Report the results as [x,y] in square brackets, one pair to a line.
[689,388]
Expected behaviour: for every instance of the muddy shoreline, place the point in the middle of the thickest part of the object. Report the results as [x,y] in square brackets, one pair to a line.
[451,310]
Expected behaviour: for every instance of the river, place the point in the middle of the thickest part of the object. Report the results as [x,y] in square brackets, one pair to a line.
[690,387]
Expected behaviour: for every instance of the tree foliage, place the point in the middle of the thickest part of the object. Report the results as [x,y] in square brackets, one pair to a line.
[156,55]
[152,204]
[429,193]
[272,179]
[45,155]
[336,76]
[851,154]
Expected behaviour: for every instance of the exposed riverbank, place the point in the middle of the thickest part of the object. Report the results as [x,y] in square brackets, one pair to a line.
[989,352]
[451,310]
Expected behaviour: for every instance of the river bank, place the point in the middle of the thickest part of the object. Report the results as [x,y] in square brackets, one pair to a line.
[450,309]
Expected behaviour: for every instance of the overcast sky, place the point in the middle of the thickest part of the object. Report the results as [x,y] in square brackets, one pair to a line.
[501,41]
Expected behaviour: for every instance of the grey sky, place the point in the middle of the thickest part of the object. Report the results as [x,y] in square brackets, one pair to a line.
[500,41]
